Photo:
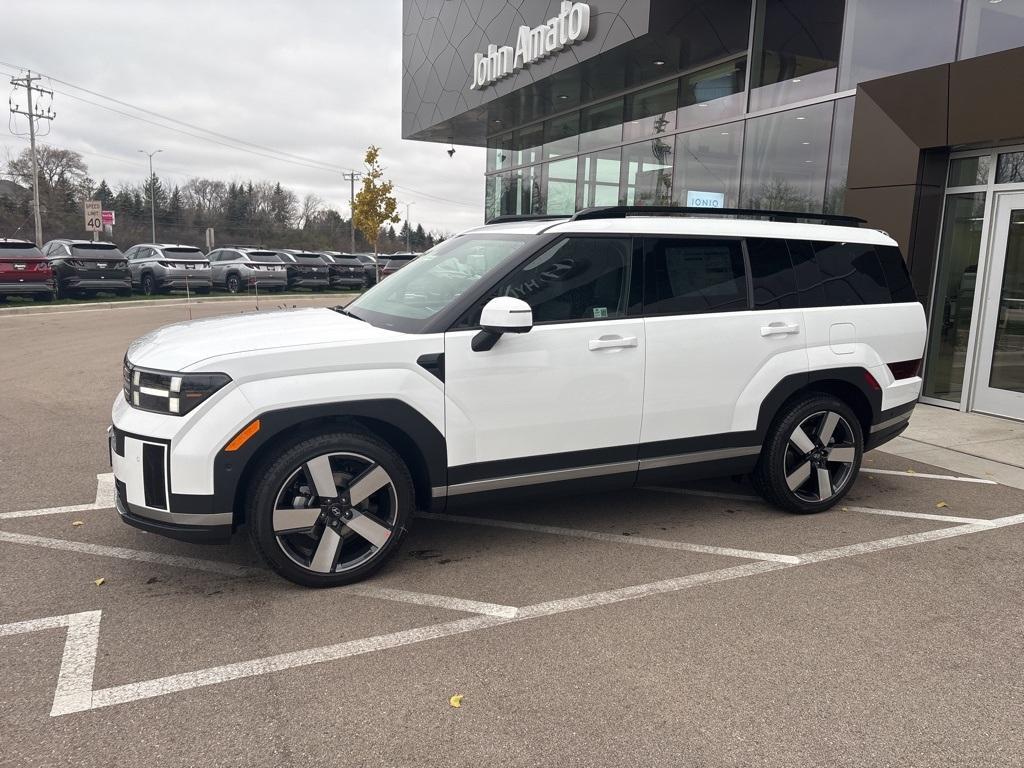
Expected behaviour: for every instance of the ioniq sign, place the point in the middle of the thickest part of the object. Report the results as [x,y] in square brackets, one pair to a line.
[570,26]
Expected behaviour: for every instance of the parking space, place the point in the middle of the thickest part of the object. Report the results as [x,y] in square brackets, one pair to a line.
[669,625]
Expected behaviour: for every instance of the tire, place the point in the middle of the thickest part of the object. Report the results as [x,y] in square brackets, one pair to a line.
[148,284]
[59,290]
[233,284]
[311,539]
[811,456]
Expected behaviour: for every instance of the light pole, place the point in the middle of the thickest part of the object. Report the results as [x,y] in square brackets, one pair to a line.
[408,229]
[152,190]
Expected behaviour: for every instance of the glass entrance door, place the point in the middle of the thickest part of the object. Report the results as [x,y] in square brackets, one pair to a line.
[1000,369]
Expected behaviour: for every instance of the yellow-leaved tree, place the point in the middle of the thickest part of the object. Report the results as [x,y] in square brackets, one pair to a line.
[375,205]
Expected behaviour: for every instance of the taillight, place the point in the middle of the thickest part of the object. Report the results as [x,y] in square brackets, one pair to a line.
[43,266]
[871,381]
[907,369]
[76,263]
[121,265]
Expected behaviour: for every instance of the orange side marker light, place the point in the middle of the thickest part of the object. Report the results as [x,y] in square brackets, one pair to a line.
[243,437]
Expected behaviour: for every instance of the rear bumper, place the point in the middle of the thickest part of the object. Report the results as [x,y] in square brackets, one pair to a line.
[309,282]
[181,283]
[347,282]
[24,289]
[266,282]
[888,425]
[97,284]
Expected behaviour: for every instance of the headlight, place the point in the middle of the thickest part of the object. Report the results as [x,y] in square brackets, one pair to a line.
[172,393]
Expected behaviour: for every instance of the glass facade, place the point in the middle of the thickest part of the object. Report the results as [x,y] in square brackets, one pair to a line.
[714,122]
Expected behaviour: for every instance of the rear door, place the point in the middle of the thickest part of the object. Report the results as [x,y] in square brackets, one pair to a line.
[716,346]
[564,400]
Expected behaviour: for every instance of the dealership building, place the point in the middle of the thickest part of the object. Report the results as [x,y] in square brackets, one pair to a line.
[906,113]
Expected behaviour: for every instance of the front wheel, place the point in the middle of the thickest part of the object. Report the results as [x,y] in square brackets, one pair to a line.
[811,456]
[331,509]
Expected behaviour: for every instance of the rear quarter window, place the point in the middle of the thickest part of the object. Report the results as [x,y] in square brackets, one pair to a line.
[851,274]
[771,274]
[896,274]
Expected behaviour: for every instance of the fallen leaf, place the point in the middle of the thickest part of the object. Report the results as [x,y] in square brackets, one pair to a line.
[456,700]
[941,504]
[911,472]
[99,582]
[77,523]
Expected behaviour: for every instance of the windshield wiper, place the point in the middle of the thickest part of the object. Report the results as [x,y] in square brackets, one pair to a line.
[342,311]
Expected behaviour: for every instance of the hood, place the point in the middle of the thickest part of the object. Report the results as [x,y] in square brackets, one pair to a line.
[181,346]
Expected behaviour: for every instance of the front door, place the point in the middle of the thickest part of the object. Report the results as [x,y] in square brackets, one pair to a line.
[1000,372]
[564,400]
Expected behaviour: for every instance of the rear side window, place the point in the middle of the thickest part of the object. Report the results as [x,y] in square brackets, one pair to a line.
[771,274]
[690,276]
[896,274]
[851,274]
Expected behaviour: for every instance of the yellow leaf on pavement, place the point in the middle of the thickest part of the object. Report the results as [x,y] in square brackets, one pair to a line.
[456,700]
[941,504]
[99,582]
[77,523]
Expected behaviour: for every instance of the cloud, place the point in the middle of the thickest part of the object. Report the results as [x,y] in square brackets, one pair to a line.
[320,80]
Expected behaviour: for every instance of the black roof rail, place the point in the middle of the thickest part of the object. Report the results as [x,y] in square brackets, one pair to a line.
[505,218]
[622,211]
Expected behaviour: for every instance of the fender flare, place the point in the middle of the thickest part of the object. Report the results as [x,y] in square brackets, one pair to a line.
[855,376]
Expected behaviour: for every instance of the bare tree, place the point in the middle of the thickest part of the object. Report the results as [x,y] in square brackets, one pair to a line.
[311,206]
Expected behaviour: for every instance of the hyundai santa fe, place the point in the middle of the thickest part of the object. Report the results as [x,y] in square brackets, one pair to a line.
[611,348]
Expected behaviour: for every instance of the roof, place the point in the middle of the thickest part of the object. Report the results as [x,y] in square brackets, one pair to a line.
[691,225]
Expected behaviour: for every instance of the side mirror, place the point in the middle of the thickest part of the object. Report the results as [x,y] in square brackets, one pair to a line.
[503,314]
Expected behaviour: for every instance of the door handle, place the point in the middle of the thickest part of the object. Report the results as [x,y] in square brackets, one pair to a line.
[779,329]
[612,342]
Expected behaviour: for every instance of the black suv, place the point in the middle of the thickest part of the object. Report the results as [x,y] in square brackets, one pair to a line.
[88,266]
[306,269]
[347,271]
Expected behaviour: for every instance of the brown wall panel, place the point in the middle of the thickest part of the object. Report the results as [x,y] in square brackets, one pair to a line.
[881,154]
[918,102]
[985,94]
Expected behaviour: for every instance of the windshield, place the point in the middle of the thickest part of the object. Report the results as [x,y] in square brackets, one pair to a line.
[184,253]
[98,251]
[412,296]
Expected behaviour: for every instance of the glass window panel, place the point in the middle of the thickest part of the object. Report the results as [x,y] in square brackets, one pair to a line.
[1008,347]
[531,197]
[527,144]
[989,27]
[562,136]
[1010,168]
[712,94]
[599,172]
[561,194]
[839,156]
[797,48]
[707,164]
[968,171]
[953,305]
[691,276]
[651,112]
[647,173]
[876,35]
[509,197]
[492,197]
[771,273]
[492,155]
[579,278]
[785,159]
[896,273]
[503,154]
[601,125]
[698,31]
[808,276]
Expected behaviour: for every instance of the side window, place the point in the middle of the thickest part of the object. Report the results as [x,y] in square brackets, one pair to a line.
[690,276]
[579,278]
[771,273]
[808,277]
[896,274]
[851,274]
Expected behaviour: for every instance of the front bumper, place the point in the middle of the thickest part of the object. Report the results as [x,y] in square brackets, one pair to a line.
[141,467]
[26,288]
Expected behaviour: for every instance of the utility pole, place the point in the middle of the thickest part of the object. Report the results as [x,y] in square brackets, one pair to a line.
[408,229]
[152,190]
[351,178]
[33,114]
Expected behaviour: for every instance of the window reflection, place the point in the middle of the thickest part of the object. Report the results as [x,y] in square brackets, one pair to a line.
[785,158]
[600,177]
[650,112]
[647,173]
[561,187]
[601,125]
[707,164]
[1010,168]
[796,51]
[839,156]
[711,94]
[562,136]
[989,27]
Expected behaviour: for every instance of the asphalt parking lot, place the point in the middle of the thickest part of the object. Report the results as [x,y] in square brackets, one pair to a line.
[664,626]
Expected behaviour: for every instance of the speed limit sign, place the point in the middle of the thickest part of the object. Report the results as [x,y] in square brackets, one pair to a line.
[93,216]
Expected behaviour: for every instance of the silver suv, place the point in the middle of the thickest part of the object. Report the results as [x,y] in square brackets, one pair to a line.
[240,267]
[159,267]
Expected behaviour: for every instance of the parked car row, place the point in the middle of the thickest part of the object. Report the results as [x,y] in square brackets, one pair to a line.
[65,268]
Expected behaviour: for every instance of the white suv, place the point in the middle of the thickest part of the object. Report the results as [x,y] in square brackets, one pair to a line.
[608,349]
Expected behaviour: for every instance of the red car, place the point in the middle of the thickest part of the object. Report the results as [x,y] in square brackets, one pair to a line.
[24,271]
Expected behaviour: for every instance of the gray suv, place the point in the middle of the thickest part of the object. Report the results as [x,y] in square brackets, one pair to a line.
[240,267]
[156,268]
[306,269]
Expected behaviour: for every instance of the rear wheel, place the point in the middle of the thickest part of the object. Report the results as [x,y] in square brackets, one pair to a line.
[234,284]
[148,284]
[812,455]
[331,509]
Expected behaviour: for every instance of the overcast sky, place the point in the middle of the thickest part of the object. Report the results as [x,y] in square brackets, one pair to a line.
[319,79]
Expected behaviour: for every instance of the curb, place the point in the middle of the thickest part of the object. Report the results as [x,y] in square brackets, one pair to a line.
[43,309]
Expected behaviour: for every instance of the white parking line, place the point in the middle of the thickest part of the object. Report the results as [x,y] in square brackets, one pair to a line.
[74,692]
[920,515]
[642,541]
[925,475]
[434,601]
[104,500]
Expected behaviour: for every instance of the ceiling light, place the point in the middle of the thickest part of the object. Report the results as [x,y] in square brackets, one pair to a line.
[801,118]
[806,143]
[562,96]
[659,63]
[725,133]
[808,161]
[702,104]
[796,79]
